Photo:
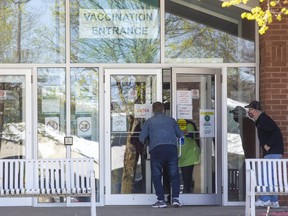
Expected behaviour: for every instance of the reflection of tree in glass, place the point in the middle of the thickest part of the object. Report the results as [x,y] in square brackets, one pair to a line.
[10,106]
[124,85]
[243,80]
[187,39]
[6,25]
[51,85]
[34,31]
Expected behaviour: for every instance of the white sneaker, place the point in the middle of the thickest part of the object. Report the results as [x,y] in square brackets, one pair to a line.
[176,203]
[159,204]
[260,203]
[274,204]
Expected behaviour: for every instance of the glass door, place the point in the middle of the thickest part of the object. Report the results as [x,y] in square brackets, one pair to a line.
[15,120]
[129,94]
[196,105]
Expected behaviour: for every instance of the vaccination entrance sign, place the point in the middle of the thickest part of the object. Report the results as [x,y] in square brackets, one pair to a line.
[118,24]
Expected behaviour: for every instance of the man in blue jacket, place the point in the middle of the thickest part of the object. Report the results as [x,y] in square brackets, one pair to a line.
[271,142]
[162,132]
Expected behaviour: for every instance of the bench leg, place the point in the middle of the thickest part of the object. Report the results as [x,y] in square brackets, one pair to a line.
[252,202]
[248,206]
[93,196]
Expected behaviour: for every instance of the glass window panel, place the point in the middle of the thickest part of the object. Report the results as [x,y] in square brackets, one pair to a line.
[12,116]
[85,118]
[203,31]
[241,129]
[202,169]
[115,31]
[51,112]
[129,158]
[32,31]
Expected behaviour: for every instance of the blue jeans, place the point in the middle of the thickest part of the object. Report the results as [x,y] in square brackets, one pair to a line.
[165,156]
[272,198]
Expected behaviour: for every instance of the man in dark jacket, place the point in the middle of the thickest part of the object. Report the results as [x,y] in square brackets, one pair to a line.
[163,132]
[271,142]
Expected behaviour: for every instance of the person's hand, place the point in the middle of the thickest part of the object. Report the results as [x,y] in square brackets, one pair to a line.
[266,147]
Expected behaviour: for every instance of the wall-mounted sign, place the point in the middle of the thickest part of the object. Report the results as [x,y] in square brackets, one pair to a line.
[118,23]
[68,140]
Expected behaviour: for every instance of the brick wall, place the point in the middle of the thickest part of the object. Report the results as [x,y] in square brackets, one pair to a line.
[274,78]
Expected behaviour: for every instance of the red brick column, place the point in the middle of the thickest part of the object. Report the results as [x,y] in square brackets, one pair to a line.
[274,77]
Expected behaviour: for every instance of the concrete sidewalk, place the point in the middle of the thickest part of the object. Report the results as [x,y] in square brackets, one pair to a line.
[138,211]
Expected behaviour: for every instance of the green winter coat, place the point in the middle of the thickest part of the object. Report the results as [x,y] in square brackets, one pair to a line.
[190,151]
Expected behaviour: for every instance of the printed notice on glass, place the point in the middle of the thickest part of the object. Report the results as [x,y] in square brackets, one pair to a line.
[50,100]
[195,93]
[84,126]
[184,112]
[119,23]
[119,122]
[52,123]
[83,106]
[143,111]
[184,97]
[51,105]
[207,123]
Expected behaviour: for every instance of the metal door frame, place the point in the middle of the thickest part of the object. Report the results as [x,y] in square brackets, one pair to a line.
[27,72]
[216,198]
[123,199]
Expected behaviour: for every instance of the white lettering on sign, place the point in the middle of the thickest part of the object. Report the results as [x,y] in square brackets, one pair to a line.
[115,24]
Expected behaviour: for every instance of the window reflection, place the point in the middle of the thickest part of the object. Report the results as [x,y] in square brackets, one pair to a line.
[85,118]
[115,31]
[131,103]
[32,31]
[12,117]
[203,31]
[51,112]
[241,129]
[51,117]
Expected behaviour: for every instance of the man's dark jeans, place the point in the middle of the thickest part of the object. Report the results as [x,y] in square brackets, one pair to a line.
[161,156]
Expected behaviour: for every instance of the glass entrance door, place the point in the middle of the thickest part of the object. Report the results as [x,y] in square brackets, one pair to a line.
[129,94]
[15,120]
[196,105]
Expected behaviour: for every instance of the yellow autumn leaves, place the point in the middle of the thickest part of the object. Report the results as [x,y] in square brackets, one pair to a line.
[274,11]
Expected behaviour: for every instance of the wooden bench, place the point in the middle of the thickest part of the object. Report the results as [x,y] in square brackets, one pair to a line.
[48,177]
[264,177]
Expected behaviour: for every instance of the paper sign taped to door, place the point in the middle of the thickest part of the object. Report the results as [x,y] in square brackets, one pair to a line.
[207,123]
[184,112]
[142,111]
